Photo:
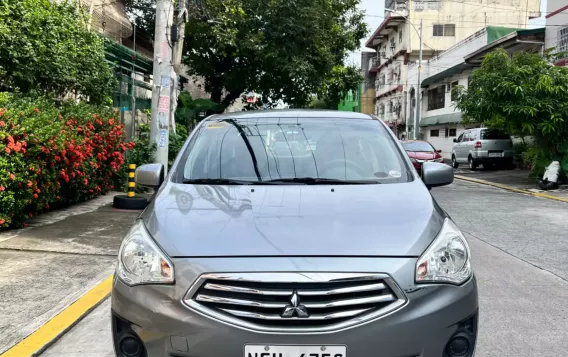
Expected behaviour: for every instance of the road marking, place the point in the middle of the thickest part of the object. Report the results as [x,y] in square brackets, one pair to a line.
[513,189]
[53,329]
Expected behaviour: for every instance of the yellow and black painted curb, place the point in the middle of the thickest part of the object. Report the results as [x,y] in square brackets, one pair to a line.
[57,326]
[512,189]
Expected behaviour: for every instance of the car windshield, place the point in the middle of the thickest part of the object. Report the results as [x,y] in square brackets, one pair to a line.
[490,134]
[417,146]
[292,151]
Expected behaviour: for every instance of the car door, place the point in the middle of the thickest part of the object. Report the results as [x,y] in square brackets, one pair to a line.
[467,147]
[456,147]
[461,153]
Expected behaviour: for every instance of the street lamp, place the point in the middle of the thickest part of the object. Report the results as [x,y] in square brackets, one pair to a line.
[418,99]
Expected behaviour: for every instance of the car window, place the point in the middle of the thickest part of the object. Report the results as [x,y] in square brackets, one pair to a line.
[255,150]
[466,136]
[461,138]
[490,134]
[418,146]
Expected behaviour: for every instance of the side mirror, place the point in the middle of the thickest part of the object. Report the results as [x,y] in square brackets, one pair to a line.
[436,174]
[439,151]
[455,140]
[150,175]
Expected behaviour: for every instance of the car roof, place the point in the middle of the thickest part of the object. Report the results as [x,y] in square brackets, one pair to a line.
[291,113]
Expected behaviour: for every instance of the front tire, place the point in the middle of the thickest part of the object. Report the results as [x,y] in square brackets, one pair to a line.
[472,164]
[455,163]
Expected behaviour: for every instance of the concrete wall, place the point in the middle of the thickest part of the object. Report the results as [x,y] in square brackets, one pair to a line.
[468,17]
[461,78]
[443,142]
[555,21]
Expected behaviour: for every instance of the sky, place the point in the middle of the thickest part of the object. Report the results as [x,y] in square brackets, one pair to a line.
[375,11]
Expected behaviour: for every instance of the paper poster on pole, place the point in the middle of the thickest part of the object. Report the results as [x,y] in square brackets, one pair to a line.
[165,50]
[166,82]
[164,104]
[163,138]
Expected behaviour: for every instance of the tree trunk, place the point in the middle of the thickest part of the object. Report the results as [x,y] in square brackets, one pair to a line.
[216,94]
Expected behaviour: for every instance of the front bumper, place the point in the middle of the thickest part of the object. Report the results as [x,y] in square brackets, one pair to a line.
[422,328]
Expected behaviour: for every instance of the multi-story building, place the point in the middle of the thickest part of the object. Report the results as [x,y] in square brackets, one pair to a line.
[444,23]
[368,85]
[557,29]
[440,120]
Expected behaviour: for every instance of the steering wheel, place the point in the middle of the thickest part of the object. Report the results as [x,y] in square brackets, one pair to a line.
[341,164]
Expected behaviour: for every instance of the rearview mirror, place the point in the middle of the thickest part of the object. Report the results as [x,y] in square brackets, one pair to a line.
[439,150]
[436,174]
[455,140]
[150,175]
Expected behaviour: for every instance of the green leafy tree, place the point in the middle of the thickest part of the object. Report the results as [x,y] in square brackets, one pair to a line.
[46,49]
[281,49]
[188,109]
[338,84]
[144,14]
[525,96]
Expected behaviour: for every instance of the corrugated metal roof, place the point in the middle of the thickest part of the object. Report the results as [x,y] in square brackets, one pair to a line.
[445,74]
[452,118]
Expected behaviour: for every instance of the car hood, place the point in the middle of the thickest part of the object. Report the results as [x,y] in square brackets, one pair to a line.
[293,220]
[422,155]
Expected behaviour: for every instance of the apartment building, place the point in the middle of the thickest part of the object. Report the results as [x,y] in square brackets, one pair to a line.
[444,23]
[440,120]
[557,29]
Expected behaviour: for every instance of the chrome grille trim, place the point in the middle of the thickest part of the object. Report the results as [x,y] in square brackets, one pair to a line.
[369,296]
[237,289]
[349,302]
[354,289]
[207,298]
[319,317]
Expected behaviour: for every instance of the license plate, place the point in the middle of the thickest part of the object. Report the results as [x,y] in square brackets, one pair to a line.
[495,154]
[294,351]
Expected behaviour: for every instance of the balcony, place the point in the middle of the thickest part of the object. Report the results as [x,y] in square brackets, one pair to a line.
[374,63]
[386,88]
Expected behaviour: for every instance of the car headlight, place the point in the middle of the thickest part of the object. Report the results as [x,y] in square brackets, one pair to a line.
[447,259]
[141,261]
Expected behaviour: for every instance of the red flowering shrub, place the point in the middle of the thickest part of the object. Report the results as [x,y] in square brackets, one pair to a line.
[53,156]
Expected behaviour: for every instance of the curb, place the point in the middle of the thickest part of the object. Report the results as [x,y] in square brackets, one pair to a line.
[57,326]
[508,188]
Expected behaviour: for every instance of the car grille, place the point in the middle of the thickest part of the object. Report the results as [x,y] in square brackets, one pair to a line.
[294,301]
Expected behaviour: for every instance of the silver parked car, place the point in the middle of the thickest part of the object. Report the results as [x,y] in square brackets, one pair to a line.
[483,146]
[340,253]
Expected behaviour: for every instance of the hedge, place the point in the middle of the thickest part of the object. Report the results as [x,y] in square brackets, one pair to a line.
[54,154]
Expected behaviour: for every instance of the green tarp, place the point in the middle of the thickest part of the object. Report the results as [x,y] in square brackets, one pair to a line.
[495,32]
[452,118]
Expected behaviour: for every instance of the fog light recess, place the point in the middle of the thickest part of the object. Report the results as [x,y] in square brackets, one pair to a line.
[130,346]
[459,346]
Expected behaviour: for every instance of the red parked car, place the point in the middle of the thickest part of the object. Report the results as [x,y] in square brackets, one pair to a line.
[420,151]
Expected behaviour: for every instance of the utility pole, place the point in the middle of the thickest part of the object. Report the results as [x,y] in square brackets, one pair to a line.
[419,92]
[163,82]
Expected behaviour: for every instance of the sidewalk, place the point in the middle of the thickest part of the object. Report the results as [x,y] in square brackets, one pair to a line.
[517,179]
[55,260]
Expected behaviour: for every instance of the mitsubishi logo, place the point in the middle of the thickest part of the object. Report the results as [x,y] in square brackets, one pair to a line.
[295,309]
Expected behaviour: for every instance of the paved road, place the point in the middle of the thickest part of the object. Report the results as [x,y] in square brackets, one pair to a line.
[520,248]
[54,261]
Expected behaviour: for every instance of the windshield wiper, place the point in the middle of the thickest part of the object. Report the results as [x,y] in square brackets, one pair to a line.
[216,181]
[321,181]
